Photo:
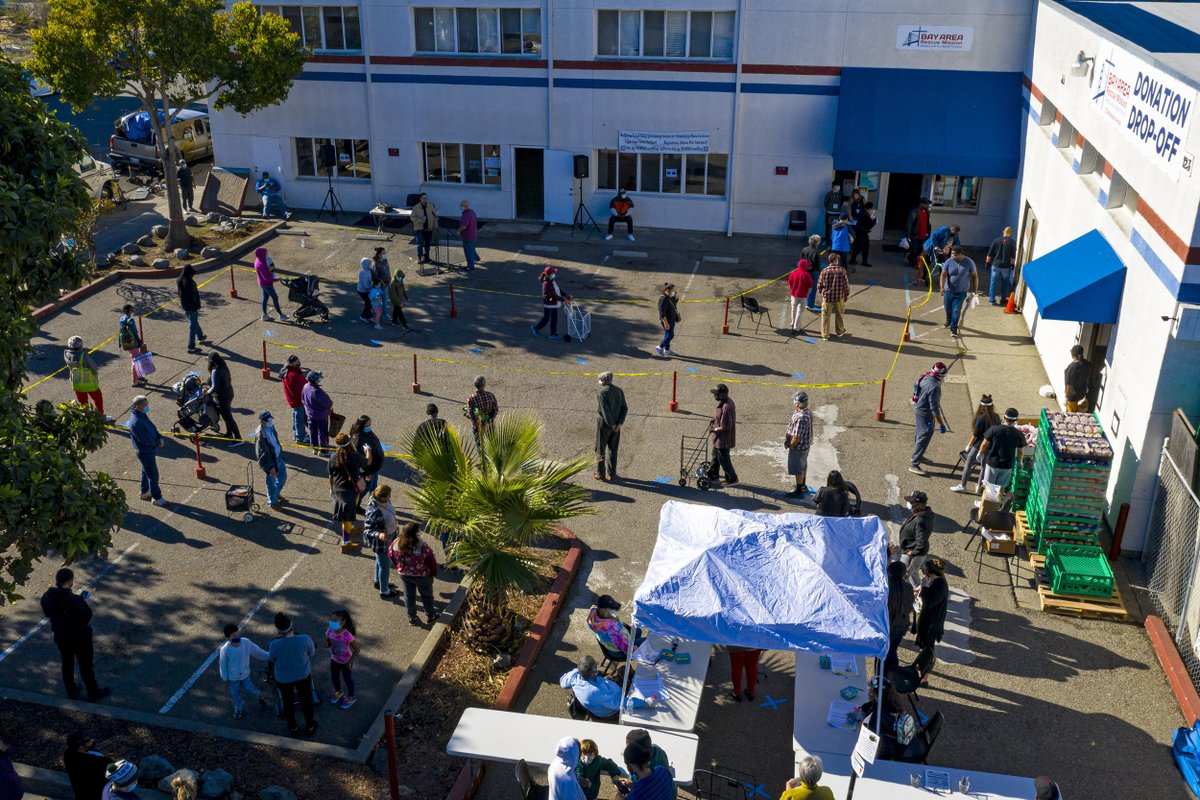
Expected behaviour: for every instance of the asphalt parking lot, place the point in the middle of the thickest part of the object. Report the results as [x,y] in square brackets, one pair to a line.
[1029,694]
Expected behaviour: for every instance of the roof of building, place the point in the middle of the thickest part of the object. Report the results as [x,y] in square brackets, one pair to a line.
[1167,30]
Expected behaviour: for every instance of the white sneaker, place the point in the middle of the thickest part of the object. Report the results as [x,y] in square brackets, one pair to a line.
[915,469]
[607,237]
[162,501]
[378,327]
[668,352]
[958,488]
[283,317]
[660,351]
[630,237]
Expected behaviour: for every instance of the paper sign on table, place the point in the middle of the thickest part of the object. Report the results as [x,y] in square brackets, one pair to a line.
[842,715]
[937,779]
[864,750]
[844,665]
[645,653]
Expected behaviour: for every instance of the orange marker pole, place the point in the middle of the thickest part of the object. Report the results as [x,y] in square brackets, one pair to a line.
[232,285]
[200,473]
[725,325]
[266,371]
[453,308]
[142,334]
[882,388]
[416,385]
[674,404]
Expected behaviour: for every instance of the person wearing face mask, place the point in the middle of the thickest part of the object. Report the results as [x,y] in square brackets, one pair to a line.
[146,440]
[552,300]
[934,595]
[668,317]
[370,454]
[317,407]
[618,211]
[343,649]
[611,413]
[959,277]
[234,665]
[914,533]
[425,222]
[269,453]
[592,765]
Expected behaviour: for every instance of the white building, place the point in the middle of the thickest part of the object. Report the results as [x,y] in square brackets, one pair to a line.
[491,104]
[1108,171]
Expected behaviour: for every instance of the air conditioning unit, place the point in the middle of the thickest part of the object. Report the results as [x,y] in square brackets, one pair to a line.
[1187,323]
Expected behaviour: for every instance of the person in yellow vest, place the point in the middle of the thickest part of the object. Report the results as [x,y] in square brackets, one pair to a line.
[85,376]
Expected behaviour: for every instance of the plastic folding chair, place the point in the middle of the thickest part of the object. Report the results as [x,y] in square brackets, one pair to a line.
[750,306]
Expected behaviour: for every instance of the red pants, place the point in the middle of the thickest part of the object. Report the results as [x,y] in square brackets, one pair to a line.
[744,661]
[97,399]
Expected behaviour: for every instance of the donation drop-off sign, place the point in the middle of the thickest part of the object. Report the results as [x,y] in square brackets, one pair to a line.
[1152,108]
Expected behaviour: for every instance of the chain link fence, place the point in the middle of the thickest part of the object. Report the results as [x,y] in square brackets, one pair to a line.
[1171,563]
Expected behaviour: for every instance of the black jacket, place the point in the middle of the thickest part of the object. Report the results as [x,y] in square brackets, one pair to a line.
[70,616]
[931,622]
[371,442]
[264,451]
[189,292]
[813,256]
[86,773]
[914,533]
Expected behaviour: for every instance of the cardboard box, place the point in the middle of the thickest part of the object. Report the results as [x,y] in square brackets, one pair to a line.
[996,528]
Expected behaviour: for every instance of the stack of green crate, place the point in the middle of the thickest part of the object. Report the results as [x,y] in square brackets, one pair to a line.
[1078,569]
[1022,475]
[1071,465]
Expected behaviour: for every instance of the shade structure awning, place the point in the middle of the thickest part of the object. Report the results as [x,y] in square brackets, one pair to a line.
[1082,281]
[929,122]
[770,581]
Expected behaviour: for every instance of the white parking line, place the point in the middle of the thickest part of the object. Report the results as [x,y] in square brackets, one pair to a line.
[688,288]
[190,682]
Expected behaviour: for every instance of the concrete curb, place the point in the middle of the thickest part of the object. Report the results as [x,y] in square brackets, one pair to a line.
[472,772]
[56,784]
[204,265]
[1174,669]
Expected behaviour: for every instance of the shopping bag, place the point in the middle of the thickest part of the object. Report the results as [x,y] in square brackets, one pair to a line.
[143,364]
[336,421]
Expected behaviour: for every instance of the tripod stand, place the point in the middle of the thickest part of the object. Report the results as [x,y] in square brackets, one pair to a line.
[581,211]
[331,200]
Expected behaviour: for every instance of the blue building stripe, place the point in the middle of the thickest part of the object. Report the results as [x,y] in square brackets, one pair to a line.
[1103,198]
[459,80]
[674,86]
[790,88]
[348,77]
[1185,293]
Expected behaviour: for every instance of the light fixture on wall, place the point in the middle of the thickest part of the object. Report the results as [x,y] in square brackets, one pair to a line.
[1170,319]
[1082,65]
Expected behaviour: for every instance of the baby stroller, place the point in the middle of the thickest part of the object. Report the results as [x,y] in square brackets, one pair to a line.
[304,290]
[197,413]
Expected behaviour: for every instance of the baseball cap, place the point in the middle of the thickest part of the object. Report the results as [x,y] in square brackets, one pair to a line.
[314,376]
[265,415]
[800,397]
[607,601]
[917,497]
[720,389]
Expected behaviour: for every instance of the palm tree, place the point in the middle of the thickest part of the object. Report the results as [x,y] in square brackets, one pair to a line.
[491,504]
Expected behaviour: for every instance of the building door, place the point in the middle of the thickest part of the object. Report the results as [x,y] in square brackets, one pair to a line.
[1025,242]
[903,192]
[528,166]
[559,185]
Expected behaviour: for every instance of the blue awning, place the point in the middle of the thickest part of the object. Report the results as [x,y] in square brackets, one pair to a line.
[1081,281]
[930,122]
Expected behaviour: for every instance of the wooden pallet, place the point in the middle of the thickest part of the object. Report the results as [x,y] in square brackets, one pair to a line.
[1077,605]
[1021,530]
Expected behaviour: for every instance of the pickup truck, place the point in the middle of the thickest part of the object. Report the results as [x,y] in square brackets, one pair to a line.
[133,143]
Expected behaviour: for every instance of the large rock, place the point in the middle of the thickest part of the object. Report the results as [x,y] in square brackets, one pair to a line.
[131,249]
[192,221]
[215,784]
[160,263]
[165,783]
[276,793]
[212,251]
[160,231]
[154,769]
[137,261]
[146,241]
[183,253]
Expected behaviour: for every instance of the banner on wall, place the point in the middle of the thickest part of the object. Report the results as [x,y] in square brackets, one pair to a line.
[933,37]
[1152,108]
[662,142]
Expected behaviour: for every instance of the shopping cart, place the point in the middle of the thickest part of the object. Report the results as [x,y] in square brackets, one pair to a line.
[240,499]
[579,322]
[693,460]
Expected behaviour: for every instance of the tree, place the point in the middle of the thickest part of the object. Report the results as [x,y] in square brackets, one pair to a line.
[491,504]
[48,500]
[169,54]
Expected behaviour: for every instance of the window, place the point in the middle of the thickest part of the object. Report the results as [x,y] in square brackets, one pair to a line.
[1090,160]
[665,34]
[508,31]
[952,191]
[322,27]
[461,163]
[1046,116]
[353,158]
[1066,134]
[662,173]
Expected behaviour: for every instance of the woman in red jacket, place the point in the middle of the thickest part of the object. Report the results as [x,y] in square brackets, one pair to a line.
[293,385]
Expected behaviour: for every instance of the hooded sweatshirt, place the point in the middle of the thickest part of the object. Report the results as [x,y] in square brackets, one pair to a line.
[262,270]
[561,774]
[366,274]
[294,381]
[189,292]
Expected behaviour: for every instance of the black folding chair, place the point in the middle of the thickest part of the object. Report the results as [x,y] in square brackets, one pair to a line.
[728,784]
[917,751]
[797,223]
[530,789]
[612,658]
[750,306]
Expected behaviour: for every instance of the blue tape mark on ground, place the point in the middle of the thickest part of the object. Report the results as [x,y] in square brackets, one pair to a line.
[581,361]
[773,703]
[810,340]
[475,350]
[798,376]
[385,447]
[268,333]
[377,343]
[755,789]
[662,479]
[693,369]
[870,283]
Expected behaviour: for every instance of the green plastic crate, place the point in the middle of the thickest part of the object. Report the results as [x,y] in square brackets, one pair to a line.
[1079,569]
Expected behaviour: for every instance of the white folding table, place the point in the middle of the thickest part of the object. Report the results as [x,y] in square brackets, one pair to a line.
[889,780]
[684,684]
[815,689]
[381,215]
[492,735]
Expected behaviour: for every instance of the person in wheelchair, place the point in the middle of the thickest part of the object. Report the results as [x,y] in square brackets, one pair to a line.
[610,632]
[591,692]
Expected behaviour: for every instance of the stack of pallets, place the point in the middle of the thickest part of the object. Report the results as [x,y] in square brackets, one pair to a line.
[1071,465]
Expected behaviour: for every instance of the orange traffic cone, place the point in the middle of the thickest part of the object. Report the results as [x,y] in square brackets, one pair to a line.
[1011,307]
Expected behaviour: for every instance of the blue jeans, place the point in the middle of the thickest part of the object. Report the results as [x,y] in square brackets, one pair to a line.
[269,292]
[924,434]
[299,425]
[469,252]
[273,205]
[1002,280]
[812,293]
[372,481]
[953,302]
[549,315]
[383,570]
[244,685]
[668,335]
[194,333]
[149,474]
[275,485]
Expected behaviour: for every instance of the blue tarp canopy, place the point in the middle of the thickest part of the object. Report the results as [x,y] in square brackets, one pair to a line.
[1081,281]
[929,122]
[770,581]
